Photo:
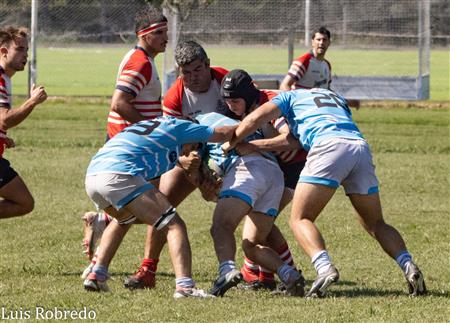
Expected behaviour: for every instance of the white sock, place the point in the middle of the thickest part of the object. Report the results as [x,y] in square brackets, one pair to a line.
[321,261]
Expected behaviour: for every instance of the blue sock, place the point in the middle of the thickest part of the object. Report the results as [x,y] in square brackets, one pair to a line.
[321,261]
[184,282]
[287,273]
[226,266]
[101,272]
[402,258]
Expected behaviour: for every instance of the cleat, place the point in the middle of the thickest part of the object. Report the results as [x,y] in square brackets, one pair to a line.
[294,286]
[144,278]
[191,292]
[87,270]
[268,284]
[322,282]
[258,285]
[414,278]
[93,284]
[94,224]
[225,282]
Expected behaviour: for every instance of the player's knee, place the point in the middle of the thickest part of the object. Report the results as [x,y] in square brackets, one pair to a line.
[374,227]
[26,206]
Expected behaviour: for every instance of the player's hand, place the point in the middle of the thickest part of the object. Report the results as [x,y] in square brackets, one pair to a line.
[37,94]
[9,143]
[190,163]
[226,147]
[245,148]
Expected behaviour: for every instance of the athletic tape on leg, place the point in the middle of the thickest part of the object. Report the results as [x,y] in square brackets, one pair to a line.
[129,220]
[165,218]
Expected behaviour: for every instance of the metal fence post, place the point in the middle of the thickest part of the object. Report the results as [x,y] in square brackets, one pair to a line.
[32,69]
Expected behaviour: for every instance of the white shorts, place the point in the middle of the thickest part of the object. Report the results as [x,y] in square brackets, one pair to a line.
[256,181]
[341,161]
[116,190]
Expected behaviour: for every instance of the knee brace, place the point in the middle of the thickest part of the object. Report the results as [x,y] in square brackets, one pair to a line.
[165,218]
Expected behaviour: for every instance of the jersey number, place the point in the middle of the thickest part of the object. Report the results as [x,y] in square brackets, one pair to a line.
[322,101]
[147,128]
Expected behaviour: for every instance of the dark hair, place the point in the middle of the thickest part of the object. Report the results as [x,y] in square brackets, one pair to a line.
[188,51]
[147,16]
[10,34]
[321,30]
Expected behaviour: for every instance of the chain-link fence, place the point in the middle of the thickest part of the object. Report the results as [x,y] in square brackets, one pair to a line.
[367,25]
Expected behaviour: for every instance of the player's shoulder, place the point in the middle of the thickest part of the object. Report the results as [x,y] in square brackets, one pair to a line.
[215,119]
[266,95]
[218,73]
[2,79]
[305,57]
[137,57]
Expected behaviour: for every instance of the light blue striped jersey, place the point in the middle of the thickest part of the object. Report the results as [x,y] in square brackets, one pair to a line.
[224,163]
[316,114]
[148,148]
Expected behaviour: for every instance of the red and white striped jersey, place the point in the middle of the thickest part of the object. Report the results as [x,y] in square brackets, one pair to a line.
[180,101]
[310,72]
[137,76]
[5,103]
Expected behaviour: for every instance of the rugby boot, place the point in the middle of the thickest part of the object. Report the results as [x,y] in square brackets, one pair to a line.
[415,280]
[225,282]
[322,282]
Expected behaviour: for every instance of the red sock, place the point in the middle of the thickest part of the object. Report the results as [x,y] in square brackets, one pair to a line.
[265,274]
[285,255]
[250,270]
[150,263]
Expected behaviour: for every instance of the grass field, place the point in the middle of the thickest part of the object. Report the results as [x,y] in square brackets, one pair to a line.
[41,260]
[91,71]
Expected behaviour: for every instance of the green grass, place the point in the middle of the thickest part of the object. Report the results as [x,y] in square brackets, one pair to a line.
[41,260]
[92,70]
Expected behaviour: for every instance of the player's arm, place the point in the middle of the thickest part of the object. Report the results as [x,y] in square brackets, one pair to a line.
[286,84]
[12,117]
[222,133]
[123,104]
[252,122]
[282,142]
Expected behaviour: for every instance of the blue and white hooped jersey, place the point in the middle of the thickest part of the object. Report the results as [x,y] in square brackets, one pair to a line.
[148,148]
[214,119]
[316,114]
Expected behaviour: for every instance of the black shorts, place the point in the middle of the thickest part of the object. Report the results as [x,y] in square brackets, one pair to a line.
[291,173]
[7,173]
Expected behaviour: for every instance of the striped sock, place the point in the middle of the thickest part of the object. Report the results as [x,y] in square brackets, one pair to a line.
[265,274]
[184,282]
[226,266]
[101,272]
[402,259]
[250,270]
[321,261]
[285,254]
